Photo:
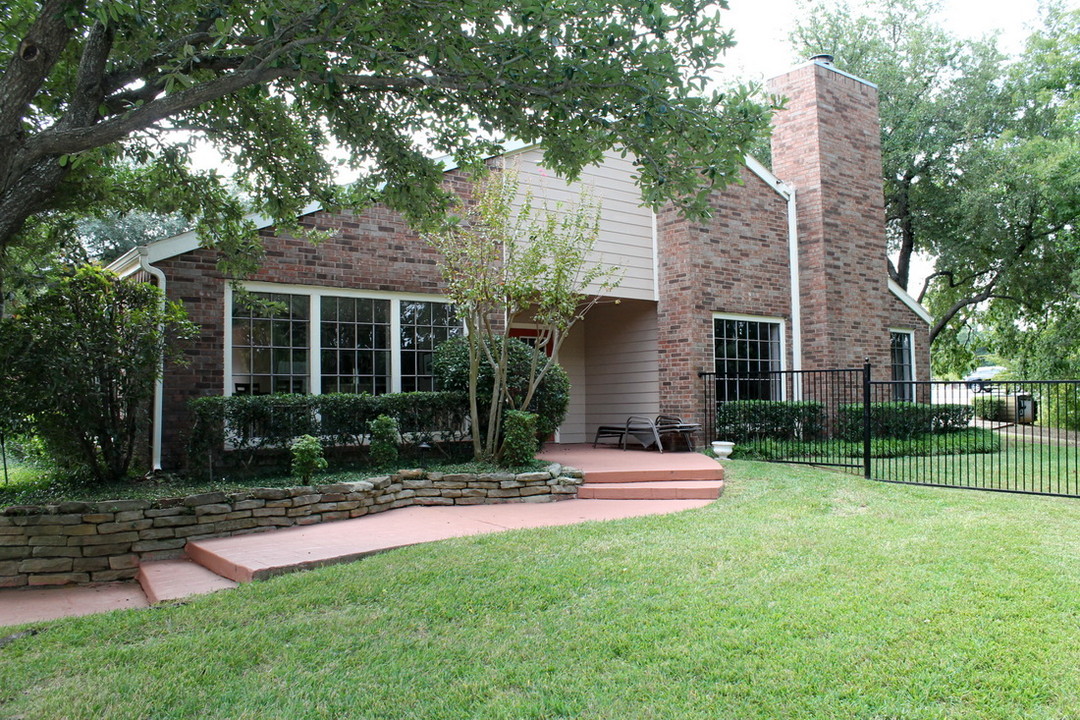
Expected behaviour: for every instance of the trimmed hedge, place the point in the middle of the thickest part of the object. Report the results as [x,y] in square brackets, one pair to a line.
[991,408]
[903,420]
[744,420]
[970,441]
[248,424]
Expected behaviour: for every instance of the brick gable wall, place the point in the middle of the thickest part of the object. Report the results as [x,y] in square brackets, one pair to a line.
[736,262]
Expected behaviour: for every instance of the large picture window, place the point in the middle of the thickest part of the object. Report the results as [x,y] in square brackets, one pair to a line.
[270,344]
[329,341]
[903,365]
[748,354]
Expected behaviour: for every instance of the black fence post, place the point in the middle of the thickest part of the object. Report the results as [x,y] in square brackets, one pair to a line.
[866,418]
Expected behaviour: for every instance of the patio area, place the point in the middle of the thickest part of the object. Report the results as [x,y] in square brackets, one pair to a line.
[636,474]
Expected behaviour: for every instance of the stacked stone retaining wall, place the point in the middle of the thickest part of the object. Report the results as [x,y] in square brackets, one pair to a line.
[77,542]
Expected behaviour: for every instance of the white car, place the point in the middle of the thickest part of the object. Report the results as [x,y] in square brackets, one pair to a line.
[979,380]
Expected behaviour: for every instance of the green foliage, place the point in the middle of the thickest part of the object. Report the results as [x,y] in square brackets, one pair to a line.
[275,87]
[549,401]
[384,441]
[110,235]
[991,408]
[78,364]
[247,425]
[307,457]
[521,263]
[903,420]
[980,160]
[741,420]
[519,443]
[971,441]
[1060,405]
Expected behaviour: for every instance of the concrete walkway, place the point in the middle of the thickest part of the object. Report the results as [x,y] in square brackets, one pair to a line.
[259,555]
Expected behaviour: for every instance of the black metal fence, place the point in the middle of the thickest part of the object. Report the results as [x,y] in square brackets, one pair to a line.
[1013,436]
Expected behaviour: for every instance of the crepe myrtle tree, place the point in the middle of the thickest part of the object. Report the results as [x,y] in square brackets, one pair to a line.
[508,258]
[103,102]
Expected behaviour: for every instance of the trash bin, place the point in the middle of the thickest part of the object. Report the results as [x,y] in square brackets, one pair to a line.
[1027,409]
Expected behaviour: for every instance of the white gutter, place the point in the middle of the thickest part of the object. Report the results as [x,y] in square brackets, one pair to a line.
[788,193]
[159,385]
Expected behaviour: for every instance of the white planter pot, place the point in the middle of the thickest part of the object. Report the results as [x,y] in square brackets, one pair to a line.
[722,448]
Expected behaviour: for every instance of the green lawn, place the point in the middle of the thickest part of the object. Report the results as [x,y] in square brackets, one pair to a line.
[1020,465]
[799,594]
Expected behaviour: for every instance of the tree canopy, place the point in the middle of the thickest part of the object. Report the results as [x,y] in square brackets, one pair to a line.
[980,160]
[101,103]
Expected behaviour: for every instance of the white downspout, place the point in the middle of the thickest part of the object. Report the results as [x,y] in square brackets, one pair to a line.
[796,296]
[159,386]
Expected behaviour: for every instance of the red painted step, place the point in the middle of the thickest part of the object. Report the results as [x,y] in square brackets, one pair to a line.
[680,490]
[166,580]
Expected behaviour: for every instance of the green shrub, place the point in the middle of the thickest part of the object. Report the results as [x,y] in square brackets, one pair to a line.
[742,420]
[549,402]
[307,457]
[902,419]
[383,450]
[519,443]
[969,441]
[248,425]
[991,408]
[78,365]
[1061,405]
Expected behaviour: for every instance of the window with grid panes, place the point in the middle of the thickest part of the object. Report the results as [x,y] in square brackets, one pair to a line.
[270,344]
[424,325]
[903,366]
[355,336]
[747,355]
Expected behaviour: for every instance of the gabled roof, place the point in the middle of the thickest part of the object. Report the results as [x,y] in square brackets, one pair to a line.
[185,242]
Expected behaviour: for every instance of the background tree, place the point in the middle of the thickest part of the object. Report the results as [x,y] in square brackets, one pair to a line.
[101,102]
[78,365]
[979,160]
[506,262]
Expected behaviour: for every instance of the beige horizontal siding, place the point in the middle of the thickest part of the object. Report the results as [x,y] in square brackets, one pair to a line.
[626,235]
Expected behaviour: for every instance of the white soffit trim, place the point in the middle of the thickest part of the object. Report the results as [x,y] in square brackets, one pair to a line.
[771,180]
[910,302]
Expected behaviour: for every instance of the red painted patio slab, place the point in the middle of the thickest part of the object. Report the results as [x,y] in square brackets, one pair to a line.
[605,464]
[34,605]
[252,557]
[167,580]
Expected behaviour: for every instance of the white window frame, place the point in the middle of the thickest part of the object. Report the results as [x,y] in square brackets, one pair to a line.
[315,294]
[759,319]
[911,358]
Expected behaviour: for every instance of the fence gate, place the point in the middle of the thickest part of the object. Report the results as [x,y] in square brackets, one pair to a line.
[1013,436]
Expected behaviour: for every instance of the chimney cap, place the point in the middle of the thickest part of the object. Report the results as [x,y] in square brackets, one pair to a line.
[822,57]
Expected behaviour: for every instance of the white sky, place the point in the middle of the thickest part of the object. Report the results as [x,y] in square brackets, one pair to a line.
[762,26]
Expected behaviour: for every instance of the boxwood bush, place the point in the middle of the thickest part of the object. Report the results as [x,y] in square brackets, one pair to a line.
[740,421]
[991,408]
[903,420]
[248,425]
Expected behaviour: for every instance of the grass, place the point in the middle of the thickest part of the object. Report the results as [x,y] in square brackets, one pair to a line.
[970,441]
[1023,466]
[800,594]
[31,486]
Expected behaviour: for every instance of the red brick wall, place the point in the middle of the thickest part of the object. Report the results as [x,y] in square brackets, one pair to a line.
[736,262]
[370,250]
[826,144]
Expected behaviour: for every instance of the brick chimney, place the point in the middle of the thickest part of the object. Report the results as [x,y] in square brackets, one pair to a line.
[826,144]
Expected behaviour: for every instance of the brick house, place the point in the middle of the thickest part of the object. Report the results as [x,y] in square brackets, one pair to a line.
[789,273]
